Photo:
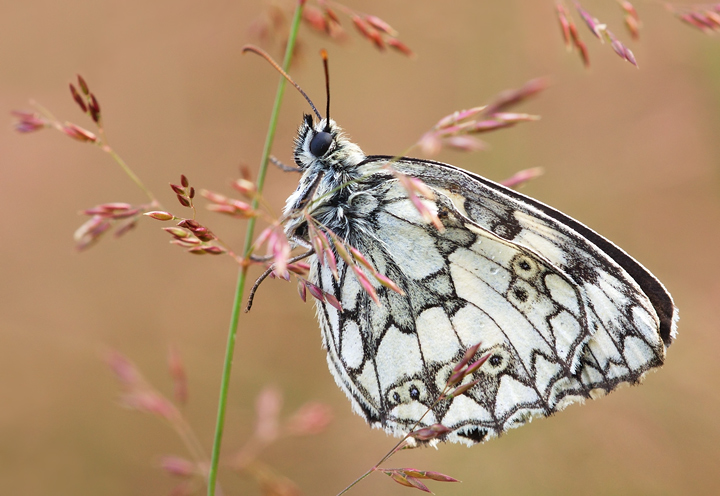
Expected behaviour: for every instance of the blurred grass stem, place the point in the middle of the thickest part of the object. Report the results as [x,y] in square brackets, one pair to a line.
[242,276]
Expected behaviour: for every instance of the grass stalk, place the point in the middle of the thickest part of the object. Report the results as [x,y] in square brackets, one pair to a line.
[242,276]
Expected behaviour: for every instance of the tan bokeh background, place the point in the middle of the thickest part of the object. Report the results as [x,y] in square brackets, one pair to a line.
[634,154]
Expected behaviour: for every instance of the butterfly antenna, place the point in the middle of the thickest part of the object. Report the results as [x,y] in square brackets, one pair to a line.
[324,55]
[264,54]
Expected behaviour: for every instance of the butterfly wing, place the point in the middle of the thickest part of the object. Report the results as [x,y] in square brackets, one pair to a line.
[561,318]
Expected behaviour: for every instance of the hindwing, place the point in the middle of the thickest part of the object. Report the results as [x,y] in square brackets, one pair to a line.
[564,314]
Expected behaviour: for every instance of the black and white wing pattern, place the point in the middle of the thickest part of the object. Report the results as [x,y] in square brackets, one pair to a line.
[564,314]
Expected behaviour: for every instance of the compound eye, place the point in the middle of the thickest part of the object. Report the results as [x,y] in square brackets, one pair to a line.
[320,143]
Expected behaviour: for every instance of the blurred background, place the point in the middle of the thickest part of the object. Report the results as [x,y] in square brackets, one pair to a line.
[635,154]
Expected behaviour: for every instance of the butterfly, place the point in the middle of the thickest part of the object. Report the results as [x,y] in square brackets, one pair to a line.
[562,313]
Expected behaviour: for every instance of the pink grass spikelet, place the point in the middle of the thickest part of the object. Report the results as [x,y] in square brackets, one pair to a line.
[94,108]
[263,237]
[331,262]
[177,232]
[89,232]
[83,85]
[302,290]
[473,367]
[317,246]
[78,99]
[714,18]
[631,19]
[564,25]
[467,356]
[125,227]
[330,13]
[366,285]
[633,27]
[185,243]
[620,49]
[359,257]
[466,143]
[315,18]
[521,177]
[459,115]
[399,46]
[159,215]
[183,201]
[125,371]
[185,488]
[310,419]
[462,389]
[179,190]
[490,125]
[245,187]
[510,98]
[430,143]
[197,250]
[629,9]
[332,301]
[267,414]
[300,268]
[207,250]
[149,402]
[78,133]
[426,474]
[316,292]
[378,23]
[178,375]
[429,433]
[280,248]
[399,476]
[178,466]
[28,122]
[592,23]
[388,283]
[340,248]
[368,32]
[125,214]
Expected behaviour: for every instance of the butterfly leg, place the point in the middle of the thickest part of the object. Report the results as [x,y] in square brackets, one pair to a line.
[287,168]
[265,274]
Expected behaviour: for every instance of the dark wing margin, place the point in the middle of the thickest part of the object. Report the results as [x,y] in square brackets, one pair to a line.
[659,297]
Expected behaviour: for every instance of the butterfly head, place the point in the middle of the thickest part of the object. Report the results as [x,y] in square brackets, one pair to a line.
[323,145]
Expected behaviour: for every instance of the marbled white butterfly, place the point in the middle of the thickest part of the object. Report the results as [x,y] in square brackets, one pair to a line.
[563,313]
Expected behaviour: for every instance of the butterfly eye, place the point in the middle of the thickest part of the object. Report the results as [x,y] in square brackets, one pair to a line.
[320,143]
